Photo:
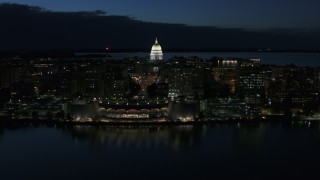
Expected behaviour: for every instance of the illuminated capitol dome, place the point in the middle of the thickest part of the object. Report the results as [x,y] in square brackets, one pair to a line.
[156,52]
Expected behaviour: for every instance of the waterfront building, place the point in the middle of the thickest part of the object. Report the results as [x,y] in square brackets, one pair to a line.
[83,109]
[134,109]
[183,110]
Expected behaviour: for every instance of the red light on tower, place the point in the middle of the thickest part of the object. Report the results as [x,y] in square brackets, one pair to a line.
[107,49]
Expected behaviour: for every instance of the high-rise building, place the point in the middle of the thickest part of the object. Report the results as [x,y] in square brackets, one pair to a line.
[91,80]
[317,79]
[156,52]
[10,75]
[226,73]
[184,81]
[252,82]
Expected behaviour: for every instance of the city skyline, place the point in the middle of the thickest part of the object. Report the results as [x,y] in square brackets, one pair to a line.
[206,89]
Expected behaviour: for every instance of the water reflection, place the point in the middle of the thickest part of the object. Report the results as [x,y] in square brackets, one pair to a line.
[250,135]
[15,127]
[245,135]
[152,137]
[216,151]
[174,137]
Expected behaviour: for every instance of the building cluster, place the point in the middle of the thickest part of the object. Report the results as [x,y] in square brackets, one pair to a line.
[180,88]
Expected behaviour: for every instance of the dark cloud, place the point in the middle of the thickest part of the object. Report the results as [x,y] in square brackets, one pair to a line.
[27,27]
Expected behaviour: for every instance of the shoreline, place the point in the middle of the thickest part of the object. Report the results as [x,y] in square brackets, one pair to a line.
[6,119]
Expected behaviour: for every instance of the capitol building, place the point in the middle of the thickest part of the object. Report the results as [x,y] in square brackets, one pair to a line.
[156,52]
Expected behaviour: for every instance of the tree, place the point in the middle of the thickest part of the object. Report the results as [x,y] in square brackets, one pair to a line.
[151,90]
[134,87]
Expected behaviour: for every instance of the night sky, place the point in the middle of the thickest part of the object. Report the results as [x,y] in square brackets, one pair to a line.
[222,13]
[291,23]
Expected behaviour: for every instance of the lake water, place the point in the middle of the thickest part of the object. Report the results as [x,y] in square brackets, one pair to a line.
[237,151]
[301,59]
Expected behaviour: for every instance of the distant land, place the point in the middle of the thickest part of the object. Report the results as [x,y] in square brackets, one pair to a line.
[65,53]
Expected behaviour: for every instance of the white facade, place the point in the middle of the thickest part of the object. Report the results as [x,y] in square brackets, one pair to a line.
[156,52]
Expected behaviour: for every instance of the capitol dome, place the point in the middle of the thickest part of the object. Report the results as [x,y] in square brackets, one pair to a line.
[156,51]
[156,47]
